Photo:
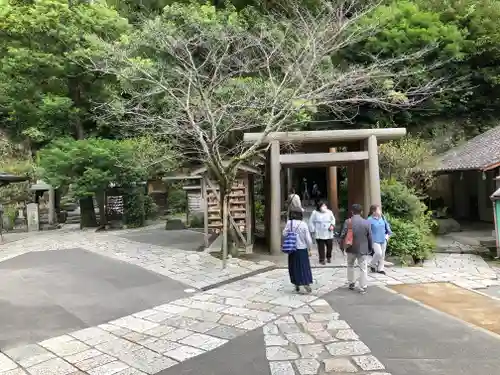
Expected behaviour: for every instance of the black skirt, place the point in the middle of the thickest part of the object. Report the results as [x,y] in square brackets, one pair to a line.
[299,267]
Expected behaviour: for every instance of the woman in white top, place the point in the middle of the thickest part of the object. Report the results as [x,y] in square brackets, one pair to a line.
[299,266]
[322,225]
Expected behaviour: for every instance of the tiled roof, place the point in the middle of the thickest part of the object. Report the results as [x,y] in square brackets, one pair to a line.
[477,154]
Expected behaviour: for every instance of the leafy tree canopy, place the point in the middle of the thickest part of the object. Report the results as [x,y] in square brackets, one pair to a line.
[44,94]
[91,165]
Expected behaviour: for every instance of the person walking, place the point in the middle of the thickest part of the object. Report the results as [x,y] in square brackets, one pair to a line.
[358,244]
[315,193]
[299,266]
[322,225]
[294,202]
[305,192]
[381,231]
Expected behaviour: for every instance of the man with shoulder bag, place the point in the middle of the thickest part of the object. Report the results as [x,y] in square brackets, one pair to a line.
[357,243]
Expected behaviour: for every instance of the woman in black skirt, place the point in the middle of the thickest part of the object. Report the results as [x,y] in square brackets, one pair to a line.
[299,266]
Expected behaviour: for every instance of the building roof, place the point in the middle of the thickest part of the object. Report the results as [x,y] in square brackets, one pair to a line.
[479,153]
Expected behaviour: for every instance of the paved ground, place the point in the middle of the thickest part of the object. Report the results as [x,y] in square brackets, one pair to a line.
[412,340]
[43,294]
[245,356]
[195,269]
[212,332]
[189,240]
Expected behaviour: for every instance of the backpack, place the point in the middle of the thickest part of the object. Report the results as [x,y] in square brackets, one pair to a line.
[290,240]
[349,237]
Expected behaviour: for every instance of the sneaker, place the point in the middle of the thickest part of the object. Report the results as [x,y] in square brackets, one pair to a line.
[329,260]
[381,272]
[351,286]
[362,290]
[308,288]
[322,262]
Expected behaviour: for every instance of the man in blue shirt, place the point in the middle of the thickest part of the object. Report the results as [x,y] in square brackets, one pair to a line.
[381,231]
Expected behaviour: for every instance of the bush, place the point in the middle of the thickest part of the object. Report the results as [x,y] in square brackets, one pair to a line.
[259,211]
[411,238]
[197,221]
[134,208]
[401,202]
[176,200]
[150,207]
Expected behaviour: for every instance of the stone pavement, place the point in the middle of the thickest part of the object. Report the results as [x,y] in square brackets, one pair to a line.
[195,269]
[156,339]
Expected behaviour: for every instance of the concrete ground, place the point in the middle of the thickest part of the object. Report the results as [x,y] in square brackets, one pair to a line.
[410,339]
[245,356]
[45,294]
[179,239]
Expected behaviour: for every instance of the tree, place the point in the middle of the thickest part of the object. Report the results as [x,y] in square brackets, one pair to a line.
[44,93]
[92,165]
[404,27]
[403,160]
[205,76]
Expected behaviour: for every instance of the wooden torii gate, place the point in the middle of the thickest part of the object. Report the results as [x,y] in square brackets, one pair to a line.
[361,158]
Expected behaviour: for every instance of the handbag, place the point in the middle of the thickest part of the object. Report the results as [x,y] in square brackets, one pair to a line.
[349,237]
[290,240]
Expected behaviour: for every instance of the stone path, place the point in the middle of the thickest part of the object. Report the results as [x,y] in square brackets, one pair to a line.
[196,269]
[158,338]
[313,340]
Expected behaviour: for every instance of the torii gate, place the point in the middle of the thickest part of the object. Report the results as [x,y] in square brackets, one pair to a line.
[361,159]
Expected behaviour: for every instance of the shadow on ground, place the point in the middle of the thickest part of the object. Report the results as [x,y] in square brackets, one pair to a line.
[244,355]
[179,239]
[410,339]
[45,294]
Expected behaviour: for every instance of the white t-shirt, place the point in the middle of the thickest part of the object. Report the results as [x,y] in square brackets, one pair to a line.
[319,224]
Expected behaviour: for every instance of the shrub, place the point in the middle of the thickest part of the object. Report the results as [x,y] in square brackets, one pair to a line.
[411,238]
[176,200]
[196,221]
[259,211]
[150,207]
[134,208]
[401,202]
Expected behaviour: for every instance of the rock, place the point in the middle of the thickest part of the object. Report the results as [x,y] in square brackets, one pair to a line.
[175,224]
[445,226]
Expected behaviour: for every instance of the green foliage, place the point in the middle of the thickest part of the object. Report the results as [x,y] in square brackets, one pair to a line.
[403,160]
[89,166]
[176,199]
[92,165]
[411,225]
[400,201]
[411,238]
[150,207]
[135,215]
[44,93]
[16,161]
[260,211]
[196,221]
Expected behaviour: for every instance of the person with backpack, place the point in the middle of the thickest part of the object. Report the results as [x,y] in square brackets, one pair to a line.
[294,202]
[381,231]
[322,226]
[358,244]
[297,243]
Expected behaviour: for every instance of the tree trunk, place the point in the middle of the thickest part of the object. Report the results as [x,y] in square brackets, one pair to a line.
[75,94]
[87,213]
